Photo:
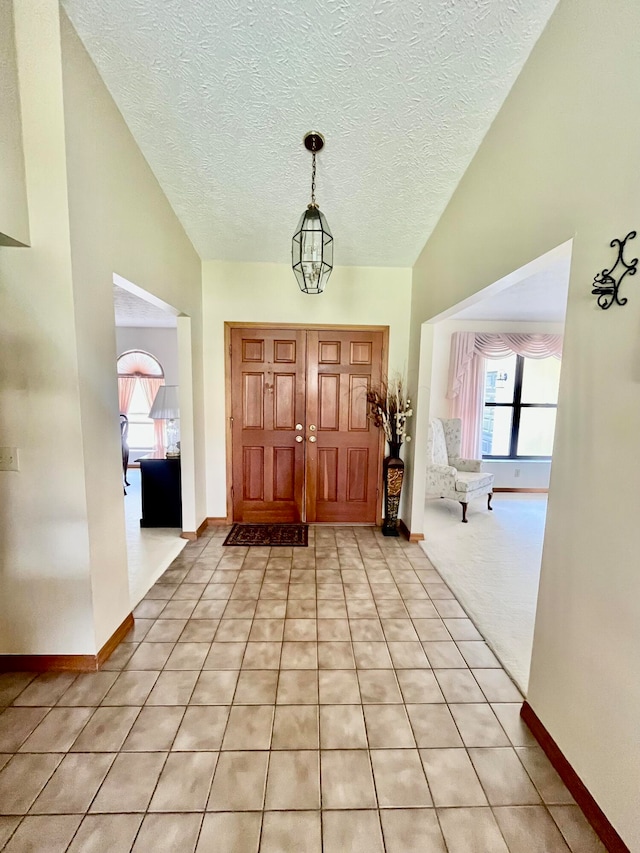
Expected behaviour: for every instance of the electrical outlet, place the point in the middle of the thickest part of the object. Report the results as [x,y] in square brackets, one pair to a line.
[516,473]
[9,459]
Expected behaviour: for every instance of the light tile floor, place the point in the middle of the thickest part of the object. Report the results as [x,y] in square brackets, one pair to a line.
[332,698]
[150,550]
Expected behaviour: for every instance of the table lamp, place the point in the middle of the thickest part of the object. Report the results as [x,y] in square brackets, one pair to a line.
[166,407]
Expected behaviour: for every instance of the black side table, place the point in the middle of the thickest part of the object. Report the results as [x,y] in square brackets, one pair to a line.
[161,496]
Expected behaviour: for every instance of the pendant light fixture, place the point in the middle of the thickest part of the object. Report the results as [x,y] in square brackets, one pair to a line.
[312,244]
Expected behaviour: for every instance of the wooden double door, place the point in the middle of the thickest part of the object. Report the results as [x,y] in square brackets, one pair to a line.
[303,448]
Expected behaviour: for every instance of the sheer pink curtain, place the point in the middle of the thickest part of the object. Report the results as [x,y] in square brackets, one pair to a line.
[465,390]
[466,373]
[467,405]
[126,384]
[150,387]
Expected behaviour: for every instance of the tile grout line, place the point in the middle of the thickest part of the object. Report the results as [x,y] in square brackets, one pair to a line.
[373,775]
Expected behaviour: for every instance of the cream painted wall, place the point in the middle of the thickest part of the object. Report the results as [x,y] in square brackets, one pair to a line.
[122,223]
[45,585]
[95,209]
[14,216]
[533,474]
[268,293]
[550,169]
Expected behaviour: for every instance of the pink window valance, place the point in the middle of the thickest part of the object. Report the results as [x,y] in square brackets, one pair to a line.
[465,389]
[139,363]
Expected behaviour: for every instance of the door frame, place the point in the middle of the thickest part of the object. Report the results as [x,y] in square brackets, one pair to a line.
[313,327]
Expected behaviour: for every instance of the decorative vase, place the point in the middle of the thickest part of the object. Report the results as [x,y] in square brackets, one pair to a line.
[393,469]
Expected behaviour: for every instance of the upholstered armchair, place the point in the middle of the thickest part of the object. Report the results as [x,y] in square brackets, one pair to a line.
[448,475]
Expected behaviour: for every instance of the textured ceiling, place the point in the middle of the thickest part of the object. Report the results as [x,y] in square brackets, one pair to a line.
[219,95]
[539,298]
[130,310]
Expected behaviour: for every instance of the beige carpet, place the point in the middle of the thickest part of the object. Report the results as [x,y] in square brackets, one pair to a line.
[492,564]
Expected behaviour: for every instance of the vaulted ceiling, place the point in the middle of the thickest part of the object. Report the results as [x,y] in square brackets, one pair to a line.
[537,298]
[218,96]
[131,310]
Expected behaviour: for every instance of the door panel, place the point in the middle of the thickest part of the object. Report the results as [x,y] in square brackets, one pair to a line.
[328,401]
[357,465]
[253,469]
[327,474]
[267,401]
[253,401]
[343,464]
[284,474]
[358,409]
[284,395]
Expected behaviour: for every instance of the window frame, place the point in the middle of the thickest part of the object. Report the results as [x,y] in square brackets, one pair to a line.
[517,406]
[139,419]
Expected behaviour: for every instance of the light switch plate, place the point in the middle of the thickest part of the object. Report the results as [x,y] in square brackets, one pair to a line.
[9,459]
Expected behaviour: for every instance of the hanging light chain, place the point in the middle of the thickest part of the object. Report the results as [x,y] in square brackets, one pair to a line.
[313,179]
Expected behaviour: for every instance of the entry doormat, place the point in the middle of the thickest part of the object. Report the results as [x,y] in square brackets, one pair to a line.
[296,535]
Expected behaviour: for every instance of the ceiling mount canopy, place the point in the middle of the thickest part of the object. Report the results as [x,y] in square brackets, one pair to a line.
[312,244]
[314,141]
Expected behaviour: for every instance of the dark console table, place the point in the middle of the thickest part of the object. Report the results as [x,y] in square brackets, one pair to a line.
[161,498]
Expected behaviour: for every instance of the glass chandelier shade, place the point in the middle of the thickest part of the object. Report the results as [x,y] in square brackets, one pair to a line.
[312,244]
[312,251]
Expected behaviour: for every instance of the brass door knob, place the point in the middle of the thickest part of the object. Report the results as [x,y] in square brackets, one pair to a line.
[299,438]
[312,438]
[299,427]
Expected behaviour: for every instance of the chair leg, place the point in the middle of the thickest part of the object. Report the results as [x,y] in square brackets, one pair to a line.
[489,496]
[464,512]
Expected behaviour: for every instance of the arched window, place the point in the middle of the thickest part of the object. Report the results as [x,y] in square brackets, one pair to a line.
[140,375]
[135,362]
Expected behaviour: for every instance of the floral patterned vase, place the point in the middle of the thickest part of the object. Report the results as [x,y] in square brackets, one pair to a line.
[393,472]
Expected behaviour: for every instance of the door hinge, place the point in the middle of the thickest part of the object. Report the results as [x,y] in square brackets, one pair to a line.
[229,349]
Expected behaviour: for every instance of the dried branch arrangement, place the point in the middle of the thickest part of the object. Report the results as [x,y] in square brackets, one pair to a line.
[389,408]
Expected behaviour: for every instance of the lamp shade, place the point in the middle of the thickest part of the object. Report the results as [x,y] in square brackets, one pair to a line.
[312,251]
[166,405]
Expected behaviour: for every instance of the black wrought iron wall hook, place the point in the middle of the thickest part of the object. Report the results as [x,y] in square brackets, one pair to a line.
[606,284]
